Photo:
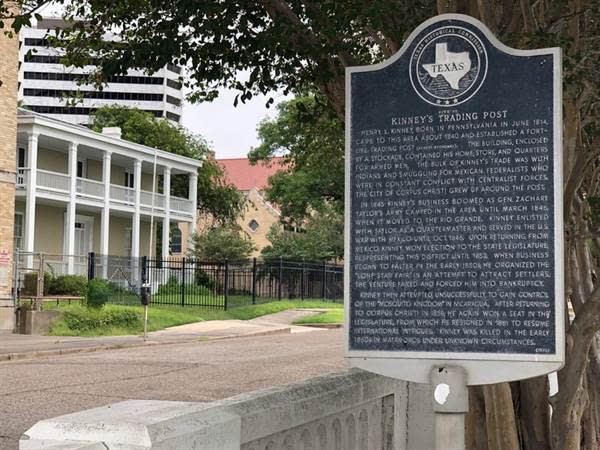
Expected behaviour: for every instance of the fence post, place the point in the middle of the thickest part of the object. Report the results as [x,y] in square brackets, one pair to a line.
[280,277]
[254,281]
[16,279]
[324,293]
[91,265]
[226,285]
[40,284]
[302,280]
[183,281]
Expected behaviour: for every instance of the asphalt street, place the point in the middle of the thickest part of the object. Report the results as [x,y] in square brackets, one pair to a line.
[31,390]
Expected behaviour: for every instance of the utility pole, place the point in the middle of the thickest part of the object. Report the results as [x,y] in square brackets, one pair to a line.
[9,64]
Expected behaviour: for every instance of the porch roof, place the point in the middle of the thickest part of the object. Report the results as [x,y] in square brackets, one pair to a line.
[29,121]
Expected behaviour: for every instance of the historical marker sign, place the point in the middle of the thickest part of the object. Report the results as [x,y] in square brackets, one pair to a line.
[453,207]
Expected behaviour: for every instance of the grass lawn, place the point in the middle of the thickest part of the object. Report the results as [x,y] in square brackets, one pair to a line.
[114,320]
[333,316]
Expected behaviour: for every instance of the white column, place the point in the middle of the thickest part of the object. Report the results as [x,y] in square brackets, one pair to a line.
[193,196]
[32,154]
[135,225]
[167,220]
[105,219]
[71,207]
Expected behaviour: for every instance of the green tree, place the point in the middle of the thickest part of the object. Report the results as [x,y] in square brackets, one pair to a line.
[322,240]
[311,137]
[216,197]
[220,244]
[304,44]
[282,44]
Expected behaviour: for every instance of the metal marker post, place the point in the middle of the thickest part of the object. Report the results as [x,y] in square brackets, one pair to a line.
[144,292]
[150,245]
[450,406]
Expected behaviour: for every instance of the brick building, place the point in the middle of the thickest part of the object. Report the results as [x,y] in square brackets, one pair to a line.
[259,215]
[9,66]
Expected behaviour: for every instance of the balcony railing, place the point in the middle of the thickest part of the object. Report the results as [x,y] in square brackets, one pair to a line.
[22,175]
[92,189]
[182,205]
[146,200]
[53,180]
[122,194]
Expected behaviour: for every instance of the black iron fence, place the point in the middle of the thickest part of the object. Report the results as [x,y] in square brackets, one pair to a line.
[220,285]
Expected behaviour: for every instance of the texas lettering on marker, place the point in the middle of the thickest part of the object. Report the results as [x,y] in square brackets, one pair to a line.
[451,66]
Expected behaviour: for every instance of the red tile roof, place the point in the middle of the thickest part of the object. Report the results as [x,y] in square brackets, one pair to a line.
[245,176]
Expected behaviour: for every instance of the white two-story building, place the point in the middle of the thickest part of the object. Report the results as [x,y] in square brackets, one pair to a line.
[79,191]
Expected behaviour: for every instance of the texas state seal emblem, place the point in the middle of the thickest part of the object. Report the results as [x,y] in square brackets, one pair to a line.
[448,66]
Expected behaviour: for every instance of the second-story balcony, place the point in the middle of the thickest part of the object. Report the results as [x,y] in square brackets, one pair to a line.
[97,189]
[57,184]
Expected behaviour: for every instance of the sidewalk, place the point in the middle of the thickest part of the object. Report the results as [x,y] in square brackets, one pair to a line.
[19,346]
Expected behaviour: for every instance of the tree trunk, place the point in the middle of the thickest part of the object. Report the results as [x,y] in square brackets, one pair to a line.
[476,437]
[500,418]
[591,416]
[534,413]
[447,6]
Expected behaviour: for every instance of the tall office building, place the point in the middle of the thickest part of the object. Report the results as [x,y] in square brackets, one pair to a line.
[45,84]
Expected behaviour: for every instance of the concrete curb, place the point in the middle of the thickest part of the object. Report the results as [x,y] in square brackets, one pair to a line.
[329,326]
[37,354]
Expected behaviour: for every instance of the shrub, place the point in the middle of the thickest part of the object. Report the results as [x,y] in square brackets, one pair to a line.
[203,279]
[30,283]
[173,287]
[75,285]
[98,293]
[86,320]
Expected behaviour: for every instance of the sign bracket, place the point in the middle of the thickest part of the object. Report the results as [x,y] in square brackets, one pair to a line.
[450,405]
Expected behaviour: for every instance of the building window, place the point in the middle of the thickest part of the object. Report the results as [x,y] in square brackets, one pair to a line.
[43,59]
[21,158]
[81,168]
[21,164]
[37,42]
[173,100]
[104,95]
[173,84]
[63,76]
[18,230]
[173,117]
[128,179]
[174,68]
[175,243]
[253,225]
[76,110]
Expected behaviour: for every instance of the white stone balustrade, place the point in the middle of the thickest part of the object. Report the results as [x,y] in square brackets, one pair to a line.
[352,410]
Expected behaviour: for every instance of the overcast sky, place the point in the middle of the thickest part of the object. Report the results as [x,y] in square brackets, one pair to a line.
[230,130]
